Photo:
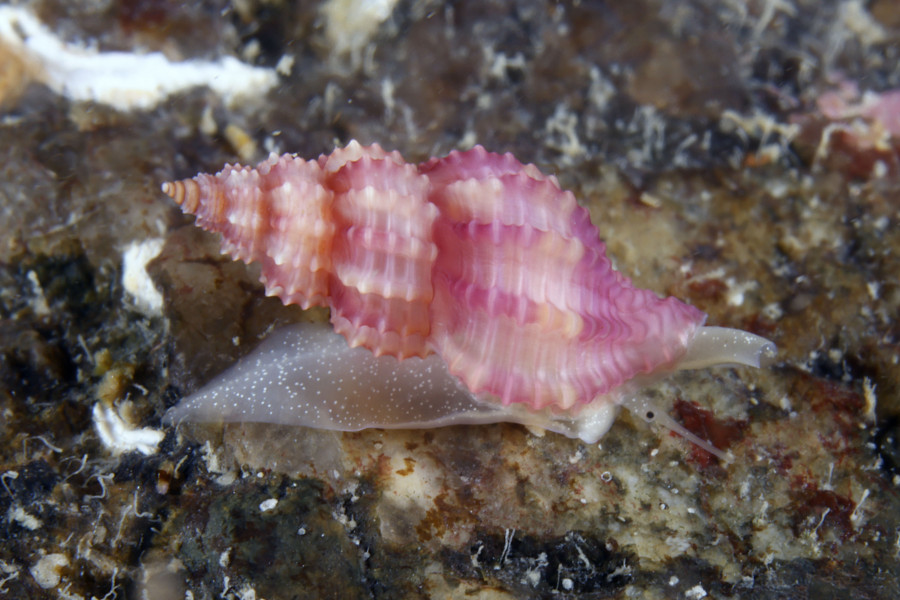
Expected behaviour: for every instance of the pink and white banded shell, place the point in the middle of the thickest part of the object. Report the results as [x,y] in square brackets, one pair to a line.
[474,257]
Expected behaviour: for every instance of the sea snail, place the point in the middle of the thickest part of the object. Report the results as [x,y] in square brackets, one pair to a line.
[466,289]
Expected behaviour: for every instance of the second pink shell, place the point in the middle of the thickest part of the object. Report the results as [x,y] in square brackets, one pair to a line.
[474,256]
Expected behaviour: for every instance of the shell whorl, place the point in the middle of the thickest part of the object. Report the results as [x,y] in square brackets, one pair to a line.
[474,256]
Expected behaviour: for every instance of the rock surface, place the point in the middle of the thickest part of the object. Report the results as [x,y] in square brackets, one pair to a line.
[692,131]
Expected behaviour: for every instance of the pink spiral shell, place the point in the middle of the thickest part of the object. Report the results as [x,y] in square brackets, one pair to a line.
[474,256]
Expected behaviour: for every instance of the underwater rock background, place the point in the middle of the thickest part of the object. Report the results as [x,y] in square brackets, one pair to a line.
[695,134]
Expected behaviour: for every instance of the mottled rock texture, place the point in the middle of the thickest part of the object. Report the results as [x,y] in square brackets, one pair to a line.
[692,133]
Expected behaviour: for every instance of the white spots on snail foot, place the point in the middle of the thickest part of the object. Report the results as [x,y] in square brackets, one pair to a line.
[307,375]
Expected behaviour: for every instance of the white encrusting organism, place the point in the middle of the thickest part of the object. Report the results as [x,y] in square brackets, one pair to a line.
[117,435]
[136,280]
[123,80]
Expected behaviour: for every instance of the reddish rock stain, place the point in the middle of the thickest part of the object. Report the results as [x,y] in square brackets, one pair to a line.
[834,401]
[410,467]
[711,290]
[721,433]
[834,510]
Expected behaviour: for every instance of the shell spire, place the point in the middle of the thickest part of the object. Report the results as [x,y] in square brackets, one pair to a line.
[475,257]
